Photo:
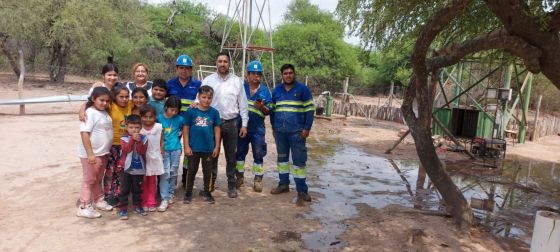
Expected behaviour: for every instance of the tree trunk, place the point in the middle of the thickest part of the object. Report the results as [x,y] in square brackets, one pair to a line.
[59,56]
[32,57]
[54,52]
[420,128]
[419,120]
[455,202]
[9,56]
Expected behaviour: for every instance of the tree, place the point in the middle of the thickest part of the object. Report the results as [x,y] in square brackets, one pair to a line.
[18,26]
[312,40]
[185,27]
[72,27]
[392,64]
[451,30]
[94,26]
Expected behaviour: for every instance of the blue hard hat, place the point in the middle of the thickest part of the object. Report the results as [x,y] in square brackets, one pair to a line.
[184,60]
[254,66]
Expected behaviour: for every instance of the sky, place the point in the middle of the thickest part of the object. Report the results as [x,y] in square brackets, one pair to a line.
[277,9]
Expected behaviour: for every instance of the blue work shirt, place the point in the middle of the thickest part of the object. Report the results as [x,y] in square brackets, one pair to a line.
[186,93]
[201,128]
[293,110]
[256,117]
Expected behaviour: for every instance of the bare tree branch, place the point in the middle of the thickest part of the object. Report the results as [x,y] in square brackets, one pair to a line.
[436,24]
[515,16]
[8,54]
[554,23]
[516,45]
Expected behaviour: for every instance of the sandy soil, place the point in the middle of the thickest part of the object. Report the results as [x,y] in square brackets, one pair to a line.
[40,180]
[546,148]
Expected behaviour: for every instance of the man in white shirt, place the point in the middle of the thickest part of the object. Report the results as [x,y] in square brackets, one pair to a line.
[230,100]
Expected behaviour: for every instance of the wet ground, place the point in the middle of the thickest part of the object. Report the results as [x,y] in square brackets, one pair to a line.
[504,199]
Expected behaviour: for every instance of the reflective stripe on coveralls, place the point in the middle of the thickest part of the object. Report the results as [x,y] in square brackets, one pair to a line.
[284,168]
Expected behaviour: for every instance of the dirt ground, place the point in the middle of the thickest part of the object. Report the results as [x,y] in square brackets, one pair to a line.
[41,174]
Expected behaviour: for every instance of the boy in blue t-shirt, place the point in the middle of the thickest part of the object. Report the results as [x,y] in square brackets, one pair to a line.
[202,142]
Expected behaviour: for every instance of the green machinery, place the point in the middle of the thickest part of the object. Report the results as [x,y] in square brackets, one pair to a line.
[474,88]
[327,109]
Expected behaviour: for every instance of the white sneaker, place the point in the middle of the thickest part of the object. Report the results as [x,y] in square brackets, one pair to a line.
[172,199]
[88,212]
[163,206]
[103,205]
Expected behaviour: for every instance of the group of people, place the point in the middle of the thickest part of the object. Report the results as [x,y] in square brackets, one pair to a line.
[131,135]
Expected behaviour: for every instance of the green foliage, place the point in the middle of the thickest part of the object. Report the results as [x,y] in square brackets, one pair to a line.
[66,29]
[392,64]
[303,12]
[383,23]
[131,31]
[312,40]
[183,28]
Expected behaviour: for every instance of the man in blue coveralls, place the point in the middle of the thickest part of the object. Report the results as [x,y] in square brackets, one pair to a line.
[260,105]
[292,118]
[185,87]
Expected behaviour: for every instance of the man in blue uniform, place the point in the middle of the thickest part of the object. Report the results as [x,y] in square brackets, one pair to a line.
[291,119]
[260,105]
[185,87]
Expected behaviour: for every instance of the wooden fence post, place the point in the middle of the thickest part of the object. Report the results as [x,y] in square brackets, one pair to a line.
[536,130]
[20,80]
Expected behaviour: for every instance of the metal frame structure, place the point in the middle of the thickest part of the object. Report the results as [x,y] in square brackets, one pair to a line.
[242,13]
[522,91]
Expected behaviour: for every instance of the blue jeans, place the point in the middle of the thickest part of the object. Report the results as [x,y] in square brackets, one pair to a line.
[286,143]
[168,180]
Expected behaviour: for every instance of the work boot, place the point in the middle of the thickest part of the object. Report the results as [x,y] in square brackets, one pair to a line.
[257,184]
[302,198]
[305,196]
[231,192]
[240,180]
[280,189]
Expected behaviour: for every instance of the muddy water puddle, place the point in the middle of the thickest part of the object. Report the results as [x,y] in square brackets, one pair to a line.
[505,200]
